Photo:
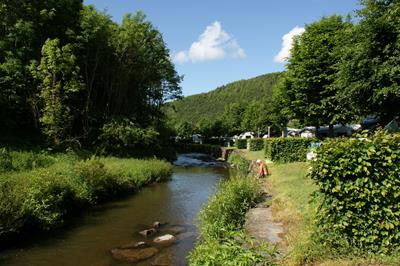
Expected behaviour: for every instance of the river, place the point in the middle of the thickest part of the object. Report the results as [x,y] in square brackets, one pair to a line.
[87,240]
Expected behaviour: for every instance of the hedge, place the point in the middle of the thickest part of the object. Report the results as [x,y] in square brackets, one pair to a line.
[241,143]
[286,150]
[256,144]
[359,180]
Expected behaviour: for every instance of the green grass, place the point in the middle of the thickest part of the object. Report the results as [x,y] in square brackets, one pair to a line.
[40,196]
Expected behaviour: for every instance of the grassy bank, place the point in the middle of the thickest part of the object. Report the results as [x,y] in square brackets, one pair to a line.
[37,191]
[222,240]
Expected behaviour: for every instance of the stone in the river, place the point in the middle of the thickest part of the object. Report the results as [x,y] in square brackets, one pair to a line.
[165,240]
[133,255]
[175,229]
[148,232]
[162,260]
[156,224]
[134,245]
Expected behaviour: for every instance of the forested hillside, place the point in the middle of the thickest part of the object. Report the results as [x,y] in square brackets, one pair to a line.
[209,106]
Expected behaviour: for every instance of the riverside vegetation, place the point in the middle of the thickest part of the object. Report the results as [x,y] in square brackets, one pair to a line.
[39,190]
[222,239]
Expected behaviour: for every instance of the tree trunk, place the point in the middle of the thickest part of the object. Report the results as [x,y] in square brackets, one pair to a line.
[331,133]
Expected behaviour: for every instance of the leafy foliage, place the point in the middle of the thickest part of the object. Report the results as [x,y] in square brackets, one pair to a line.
[311,72]
[368,74]
[359,182]
[59,81]
[123,136]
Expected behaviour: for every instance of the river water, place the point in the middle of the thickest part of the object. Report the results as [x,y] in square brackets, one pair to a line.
[87,240]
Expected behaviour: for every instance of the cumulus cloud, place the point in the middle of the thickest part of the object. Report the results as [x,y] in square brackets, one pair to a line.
[214,43]
[287,42]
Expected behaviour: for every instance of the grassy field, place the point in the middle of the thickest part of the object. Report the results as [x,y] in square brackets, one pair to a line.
[38,190]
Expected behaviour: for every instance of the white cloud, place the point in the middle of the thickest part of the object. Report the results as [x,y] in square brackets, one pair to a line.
[214,43]
[287,42]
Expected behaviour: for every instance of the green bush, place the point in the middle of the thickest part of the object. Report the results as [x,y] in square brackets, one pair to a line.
[359,181]
[125,137]
[222,240]
[241,143]
[256,144]
[285,150]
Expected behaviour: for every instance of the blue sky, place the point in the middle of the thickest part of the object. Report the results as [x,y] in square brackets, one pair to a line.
[216,42]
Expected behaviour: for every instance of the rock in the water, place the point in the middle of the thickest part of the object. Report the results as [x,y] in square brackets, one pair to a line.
[148,232]
[156,224]
[133,255]
[165,240]
[134,245]
[162,260]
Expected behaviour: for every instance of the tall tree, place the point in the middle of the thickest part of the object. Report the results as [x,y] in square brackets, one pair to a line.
[370,70]
[311,72]
[59,80]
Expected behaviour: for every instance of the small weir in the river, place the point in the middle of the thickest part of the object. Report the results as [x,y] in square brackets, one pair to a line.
[89,238]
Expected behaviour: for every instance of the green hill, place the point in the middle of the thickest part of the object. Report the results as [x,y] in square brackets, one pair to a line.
[212,104]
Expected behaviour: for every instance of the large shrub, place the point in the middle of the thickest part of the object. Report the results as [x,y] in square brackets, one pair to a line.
[286,150]
[256,144]
[359,180]
[123,137]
